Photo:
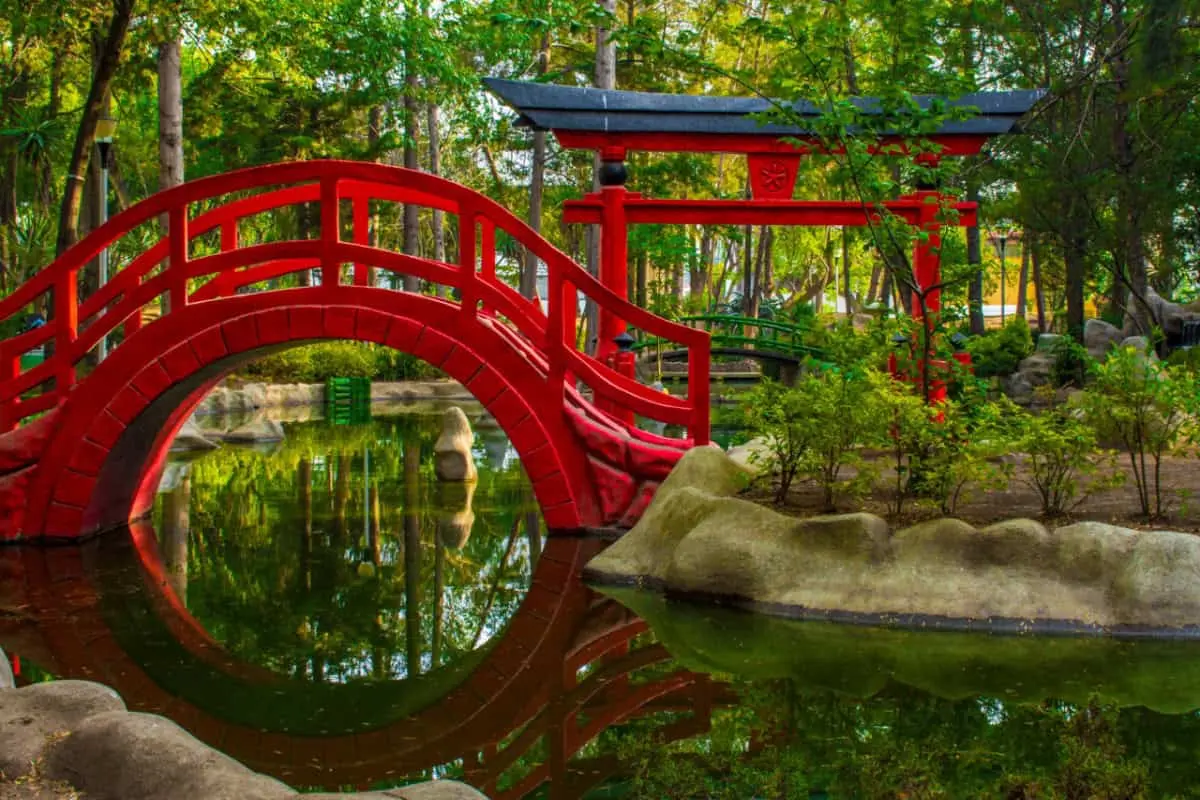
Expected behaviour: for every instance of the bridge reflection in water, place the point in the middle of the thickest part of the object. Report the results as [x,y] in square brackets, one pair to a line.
[568,665]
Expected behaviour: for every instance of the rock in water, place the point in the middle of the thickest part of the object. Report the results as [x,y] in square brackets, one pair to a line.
[452,451]
[266,430]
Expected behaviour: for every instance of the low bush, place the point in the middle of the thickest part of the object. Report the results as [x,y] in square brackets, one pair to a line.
[1061,450]
[1149,408]
[999,353]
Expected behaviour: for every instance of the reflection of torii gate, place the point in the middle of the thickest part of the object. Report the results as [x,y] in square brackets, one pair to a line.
[614,123]
[559,628]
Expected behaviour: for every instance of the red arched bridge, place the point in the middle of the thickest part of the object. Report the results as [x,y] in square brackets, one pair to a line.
[83,440]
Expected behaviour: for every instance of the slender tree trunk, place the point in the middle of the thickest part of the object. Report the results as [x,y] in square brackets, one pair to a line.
[412,233]
[170,124]
[847,293]
[1074,255]
[85,136]
[435,166]
[1039,294]
[605,78]
[537,182]
[1023,280]
[748,270]
[643,269]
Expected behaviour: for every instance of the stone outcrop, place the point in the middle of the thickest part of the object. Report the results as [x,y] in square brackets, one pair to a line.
[698,538]
[1169,316]
[453,460]
[80,734]
[7,681]
[191,438]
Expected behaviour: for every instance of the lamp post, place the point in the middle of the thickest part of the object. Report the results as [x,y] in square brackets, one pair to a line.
[1000,241]
[106,126]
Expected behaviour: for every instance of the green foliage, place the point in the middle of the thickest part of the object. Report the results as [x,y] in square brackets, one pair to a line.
[1149,409]
[1071,363]
[1061,450]
[316,363]
[999,353]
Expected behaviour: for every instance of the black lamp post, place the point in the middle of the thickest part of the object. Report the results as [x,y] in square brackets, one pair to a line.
[106,127]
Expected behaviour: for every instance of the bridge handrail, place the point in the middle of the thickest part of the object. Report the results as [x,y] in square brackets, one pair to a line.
[329,182]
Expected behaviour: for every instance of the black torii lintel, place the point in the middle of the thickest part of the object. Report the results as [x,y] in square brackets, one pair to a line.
[611,113]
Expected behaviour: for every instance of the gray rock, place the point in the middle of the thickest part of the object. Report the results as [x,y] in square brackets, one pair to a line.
[262,430]
[1037,368]
[452,451]
[1169,316]
[127,756]
[7,681]
[32,717]
[1018,388]
[190,438]
[1099,336]
[697,537]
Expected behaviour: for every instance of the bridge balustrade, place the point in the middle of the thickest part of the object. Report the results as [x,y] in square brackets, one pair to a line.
[223,208]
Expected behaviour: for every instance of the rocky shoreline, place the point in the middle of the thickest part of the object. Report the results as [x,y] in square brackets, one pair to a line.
[72,738]
[252,397]
[699,539]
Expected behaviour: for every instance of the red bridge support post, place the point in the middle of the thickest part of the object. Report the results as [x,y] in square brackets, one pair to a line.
[614,246]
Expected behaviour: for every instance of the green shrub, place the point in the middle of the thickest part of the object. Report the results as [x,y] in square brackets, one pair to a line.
[1071,362]
[999,353]
[315,363]
[1062,449]
[1149,408]
[815,429]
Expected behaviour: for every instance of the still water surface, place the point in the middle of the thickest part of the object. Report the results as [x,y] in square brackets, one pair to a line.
[326,611]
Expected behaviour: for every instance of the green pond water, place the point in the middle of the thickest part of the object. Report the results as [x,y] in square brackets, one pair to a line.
[325,610]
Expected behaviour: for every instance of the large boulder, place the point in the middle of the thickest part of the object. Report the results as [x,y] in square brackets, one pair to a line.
[1099,337]
[698,538]
[147,757]
[1038,369]
[453,460]
[1169,316]
[36,716]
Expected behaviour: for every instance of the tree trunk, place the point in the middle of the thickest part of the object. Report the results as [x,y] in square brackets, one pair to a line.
[1023,280]
[435,167]
[170,124]
[412,559]
[748,270]
[537,183]
[1074,255]
[1039,294]
[975,258]
[85,136]
[605,78]
[412,243]
[847,294]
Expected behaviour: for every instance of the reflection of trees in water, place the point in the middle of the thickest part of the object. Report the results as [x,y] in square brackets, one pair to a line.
[334,556]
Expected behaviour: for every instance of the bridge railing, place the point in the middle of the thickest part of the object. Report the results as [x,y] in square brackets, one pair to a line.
[187,268]
[734,331]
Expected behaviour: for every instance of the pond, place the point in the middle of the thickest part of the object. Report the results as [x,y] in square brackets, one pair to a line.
[328,612]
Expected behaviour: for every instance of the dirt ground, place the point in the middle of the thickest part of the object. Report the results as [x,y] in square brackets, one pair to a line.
[980,507]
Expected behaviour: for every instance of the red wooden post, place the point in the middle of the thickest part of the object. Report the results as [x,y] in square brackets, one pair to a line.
[614,247]
[177,248]
[466,261]
[699,357]
[487,256]
[927,263]
[363,274]
[330,232]
[66,321]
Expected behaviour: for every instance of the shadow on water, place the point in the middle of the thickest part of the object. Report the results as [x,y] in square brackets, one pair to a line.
[327,612]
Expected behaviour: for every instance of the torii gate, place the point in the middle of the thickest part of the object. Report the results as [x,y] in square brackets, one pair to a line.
[615,123]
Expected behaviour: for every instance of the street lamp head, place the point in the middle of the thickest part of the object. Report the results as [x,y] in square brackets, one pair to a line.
[106,127]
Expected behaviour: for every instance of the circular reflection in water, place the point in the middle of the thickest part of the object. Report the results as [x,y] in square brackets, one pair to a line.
[335,556]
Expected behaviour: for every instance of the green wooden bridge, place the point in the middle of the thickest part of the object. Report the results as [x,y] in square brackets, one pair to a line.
[772,341]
